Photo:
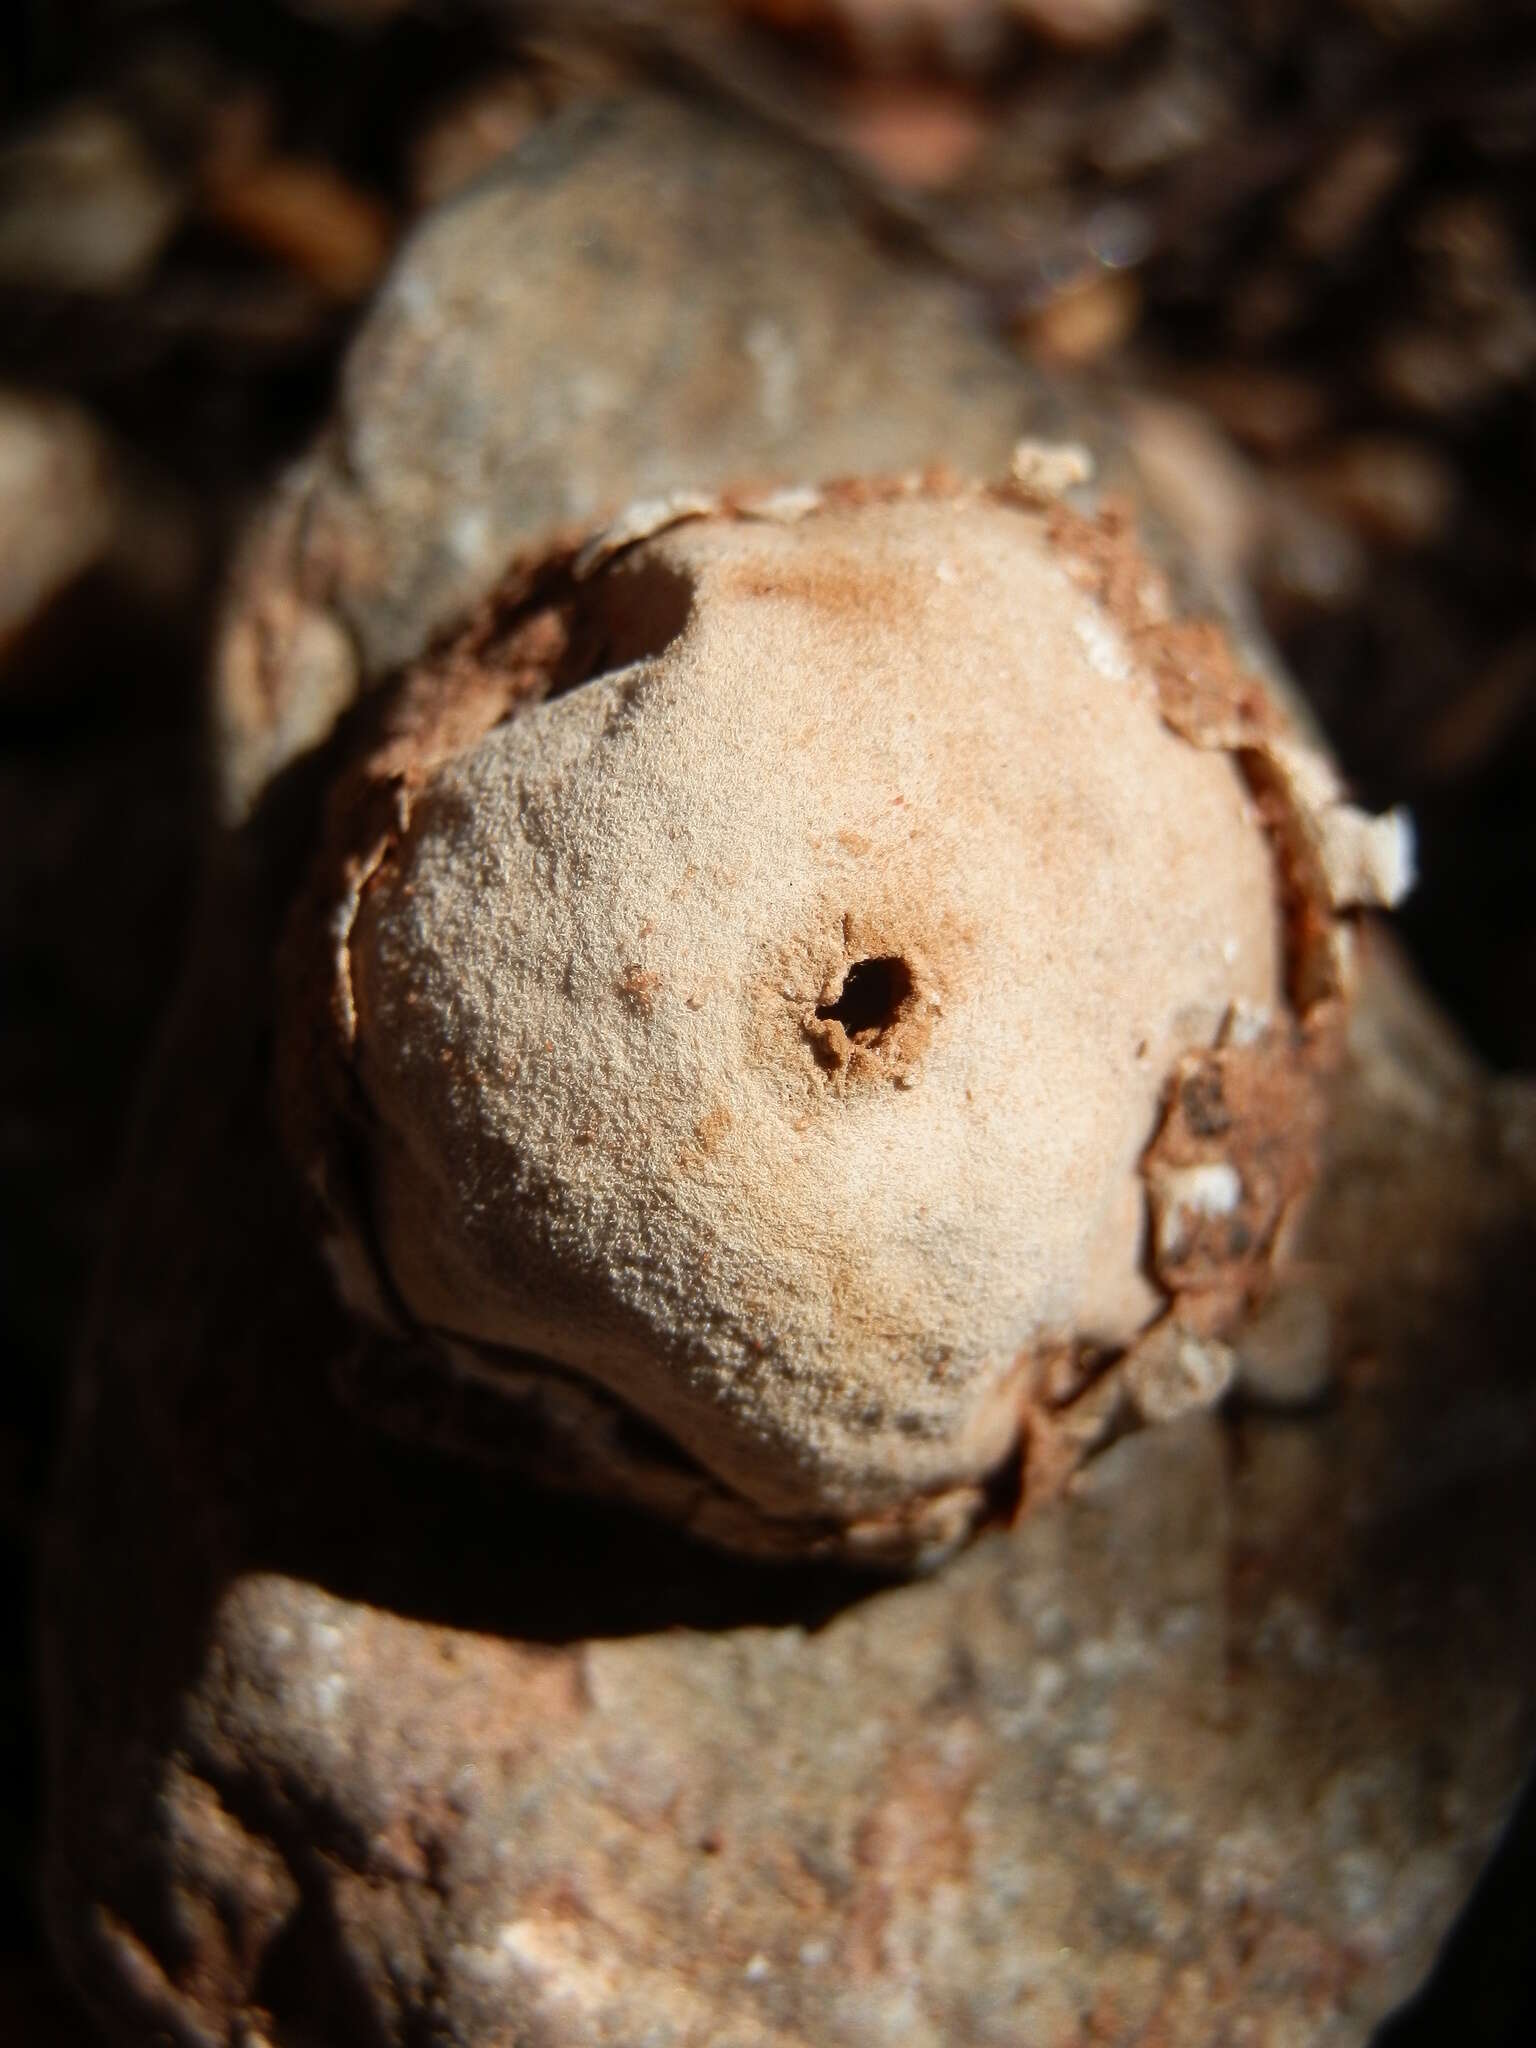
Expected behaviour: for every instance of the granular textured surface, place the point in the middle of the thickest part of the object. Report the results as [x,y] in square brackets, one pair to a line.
[769,1030]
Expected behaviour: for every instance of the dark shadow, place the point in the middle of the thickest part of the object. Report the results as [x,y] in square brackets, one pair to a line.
[307,1980]
[631,612]
[871,998]
[1482,1992]
[479,1545]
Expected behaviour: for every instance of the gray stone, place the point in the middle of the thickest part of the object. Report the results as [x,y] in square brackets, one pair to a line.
[642,299]
[83,205]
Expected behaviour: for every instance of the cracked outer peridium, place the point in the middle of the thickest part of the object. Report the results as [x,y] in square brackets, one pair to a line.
[791,969]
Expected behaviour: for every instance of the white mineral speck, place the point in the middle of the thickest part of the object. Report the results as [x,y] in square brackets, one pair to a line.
[1103,646]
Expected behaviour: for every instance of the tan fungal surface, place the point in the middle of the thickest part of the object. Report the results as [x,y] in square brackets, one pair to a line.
[768,1029]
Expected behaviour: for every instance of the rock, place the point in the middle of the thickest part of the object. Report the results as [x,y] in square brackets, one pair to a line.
[543,353]
[1395,492]
[1286,1356]
[1206,488]
[348,1745]
[1086,24]
[58,512]
[925,134]
[1270,412]
[1338,203]
[306,216]
[472,131]
[96,549]
[353,1741]
[83,205]
[1088,321]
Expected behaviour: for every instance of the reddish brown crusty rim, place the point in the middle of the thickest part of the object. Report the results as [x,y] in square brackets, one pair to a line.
[1238,1140]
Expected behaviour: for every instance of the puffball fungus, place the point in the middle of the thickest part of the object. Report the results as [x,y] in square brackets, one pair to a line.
[812,995]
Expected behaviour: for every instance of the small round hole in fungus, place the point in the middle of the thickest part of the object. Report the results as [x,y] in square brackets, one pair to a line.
[870,999]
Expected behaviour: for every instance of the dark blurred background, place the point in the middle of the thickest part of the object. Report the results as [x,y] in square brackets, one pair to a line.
[1301,232]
